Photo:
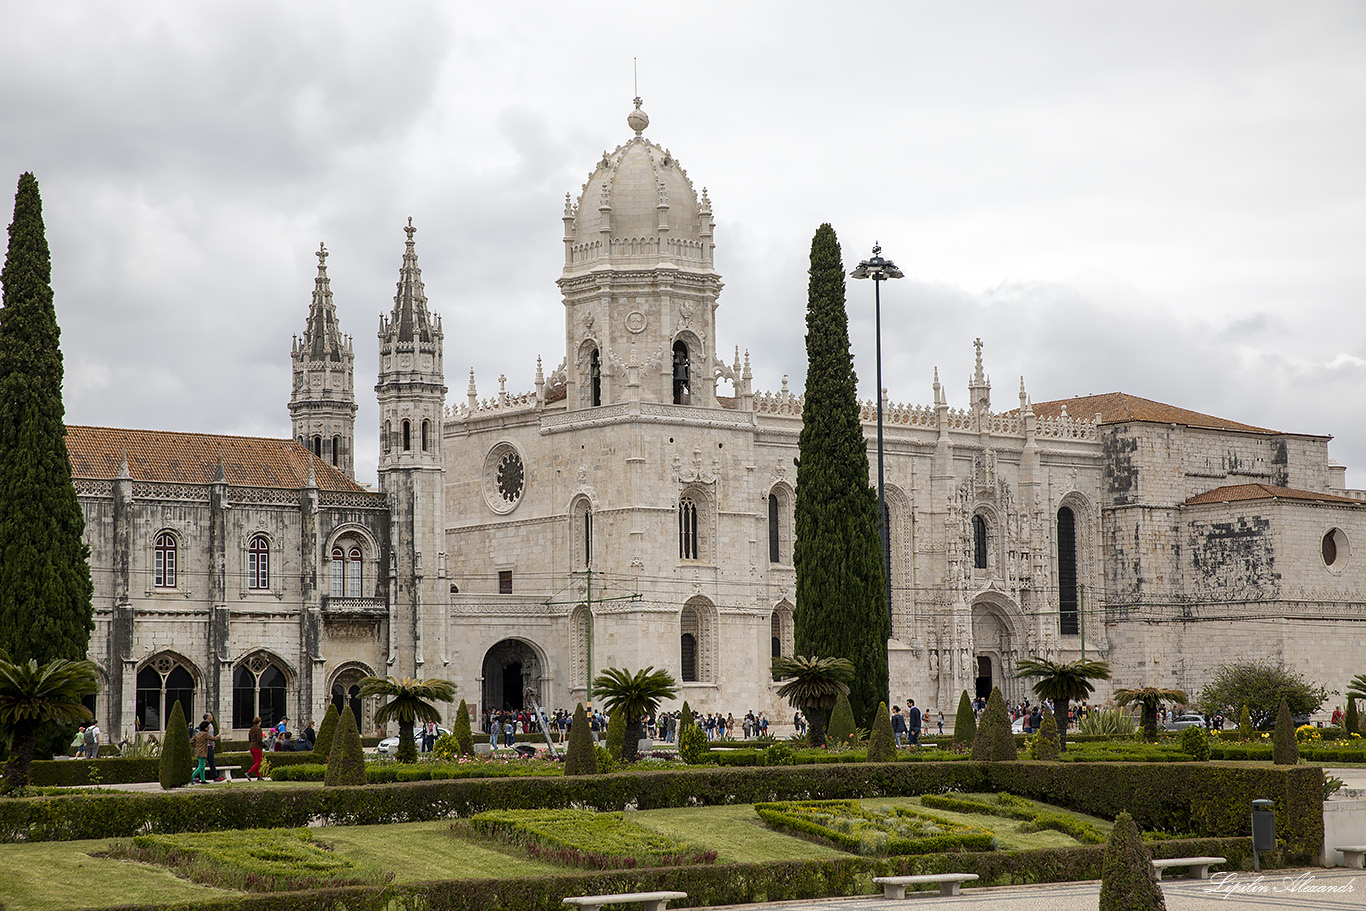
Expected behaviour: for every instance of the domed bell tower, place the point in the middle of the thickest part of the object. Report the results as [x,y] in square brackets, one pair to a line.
[638,285]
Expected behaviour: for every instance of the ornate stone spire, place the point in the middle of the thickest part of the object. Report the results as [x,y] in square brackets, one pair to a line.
[322,335]
[322,405]
[410,320]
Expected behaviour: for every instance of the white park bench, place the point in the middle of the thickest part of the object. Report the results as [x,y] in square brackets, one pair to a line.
[1199,866]
[949,883]
[1353,855]
[653,901]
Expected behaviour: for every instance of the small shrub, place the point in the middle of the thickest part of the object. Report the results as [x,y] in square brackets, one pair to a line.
[779,754]
[994,742]
[346,759]
[1245,723]
[616,736]
[840,732]
[579,758]
[1128,881]
[176,759]
[964,723]
[1195,744]
[460,730]
[604,759]
[882,743]
[326,731]
[692,744]
[1046,744]
[1284,750]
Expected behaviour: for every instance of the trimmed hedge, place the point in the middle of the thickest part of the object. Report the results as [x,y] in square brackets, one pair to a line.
[1210,800]
[76,773]
[721,884]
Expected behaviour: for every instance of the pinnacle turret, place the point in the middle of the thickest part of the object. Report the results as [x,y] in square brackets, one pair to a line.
[322,405]
[410,320]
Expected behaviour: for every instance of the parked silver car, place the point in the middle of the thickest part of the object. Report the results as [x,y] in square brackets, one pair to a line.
[390,744]
[1191,720]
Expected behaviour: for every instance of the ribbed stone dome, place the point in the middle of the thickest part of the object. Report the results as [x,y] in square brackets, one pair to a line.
[645,202]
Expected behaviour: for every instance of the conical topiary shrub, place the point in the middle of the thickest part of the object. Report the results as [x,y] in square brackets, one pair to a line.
[1352,723]
[580,760]
[881,742]
[685,718]
[326,731]
[176,761]
[1046,741]
[460,727]
[994,741]
[1245,723]
[964,723]
[1128,881]
[616,735]
[840,730]
[346,758]
[1284,749]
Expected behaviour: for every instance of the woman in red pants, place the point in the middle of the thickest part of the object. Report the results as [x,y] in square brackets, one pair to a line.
[256,742]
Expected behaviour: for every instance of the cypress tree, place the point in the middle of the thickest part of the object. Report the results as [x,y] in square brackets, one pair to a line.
[1128,881]
[460,727]
[841,727]
[45,590]
[1352,723]
[326,731]
[346,759]
[580,759]
[1046,741]
[1245,723]
[1284,748]
[994,741]
[174,770]
[616,735]
[882,742]
[841,585]
[685,719]
[964,723]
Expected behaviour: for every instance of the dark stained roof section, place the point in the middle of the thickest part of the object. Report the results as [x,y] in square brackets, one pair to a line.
[1236,492]
[1122,408]
[193,458]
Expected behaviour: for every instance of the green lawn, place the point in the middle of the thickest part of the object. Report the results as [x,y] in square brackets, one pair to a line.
[57,875]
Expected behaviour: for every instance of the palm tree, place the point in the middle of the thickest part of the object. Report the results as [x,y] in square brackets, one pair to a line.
[1357,688]
[1060,683]
[812,685]
[1150,697]
[410,701]
[634,696]
[30,696]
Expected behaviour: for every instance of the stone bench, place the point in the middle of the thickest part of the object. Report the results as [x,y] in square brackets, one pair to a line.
[1199,866]
[653,901]
[949,883]
[1353,855]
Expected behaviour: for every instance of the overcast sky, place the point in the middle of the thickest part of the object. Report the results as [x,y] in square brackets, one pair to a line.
[1166,198]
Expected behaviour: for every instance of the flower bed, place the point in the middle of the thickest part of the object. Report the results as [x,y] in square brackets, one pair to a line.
[583,838]
[874,831]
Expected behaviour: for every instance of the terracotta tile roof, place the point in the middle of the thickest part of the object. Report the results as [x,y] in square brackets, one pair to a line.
[192,458]
[1236,492]
[1121,408]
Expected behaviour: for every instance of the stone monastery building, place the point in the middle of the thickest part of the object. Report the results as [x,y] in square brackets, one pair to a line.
[627,513]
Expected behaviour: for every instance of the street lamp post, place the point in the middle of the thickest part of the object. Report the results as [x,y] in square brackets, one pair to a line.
[879,270]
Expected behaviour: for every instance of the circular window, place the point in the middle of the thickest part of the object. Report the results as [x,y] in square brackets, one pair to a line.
[504,478]
[1335,550]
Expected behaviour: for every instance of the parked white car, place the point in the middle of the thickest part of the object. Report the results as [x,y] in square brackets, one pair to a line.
[390,744]
[1185,721]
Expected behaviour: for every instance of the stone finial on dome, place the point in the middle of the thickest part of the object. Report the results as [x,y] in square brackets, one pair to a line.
[638,120]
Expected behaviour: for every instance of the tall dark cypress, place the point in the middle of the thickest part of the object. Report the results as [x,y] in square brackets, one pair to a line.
[841,591]
[45,590]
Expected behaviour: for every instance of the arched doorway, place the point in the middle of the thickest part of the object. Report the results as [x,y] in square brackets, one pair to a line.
[512,676]
[995,632]
[983,684]
[345,694]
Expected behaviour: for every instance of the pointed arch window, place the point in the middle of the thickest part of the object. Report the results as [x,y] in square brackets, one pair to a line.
[258,563]
[1068,603]
[775,633]
[687,530]
[774,538]
[687,645]
[164,552]
[160,685]
[979,542]
[595,378]
[258,688]
[682,374]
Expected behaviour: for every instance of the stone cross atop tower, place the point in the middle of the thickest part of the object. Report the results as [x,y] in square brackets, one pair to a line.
[322,404]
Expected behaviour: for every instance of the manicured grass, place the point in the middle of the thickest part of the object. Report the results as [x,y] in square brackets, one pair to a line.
[422,851]
[735,833]
[58,875]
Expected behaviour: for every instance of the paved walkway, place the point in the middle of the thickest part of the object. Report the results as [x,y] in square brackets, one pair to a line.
[1280,889]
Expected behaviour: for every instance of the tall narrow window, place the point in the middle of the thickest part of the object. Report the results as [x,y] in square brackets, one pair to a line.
[353,566]
[164,560]
[776,635]
[687,645]
[387,438]
[338,572]
[687,529]
[407,436]
[504,581]
[587,537]
[595,377]
[682,375]
[1067,573]
[258,563]
[336,450]
[426,435]
[774,541]
[318,446]
[979,542]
